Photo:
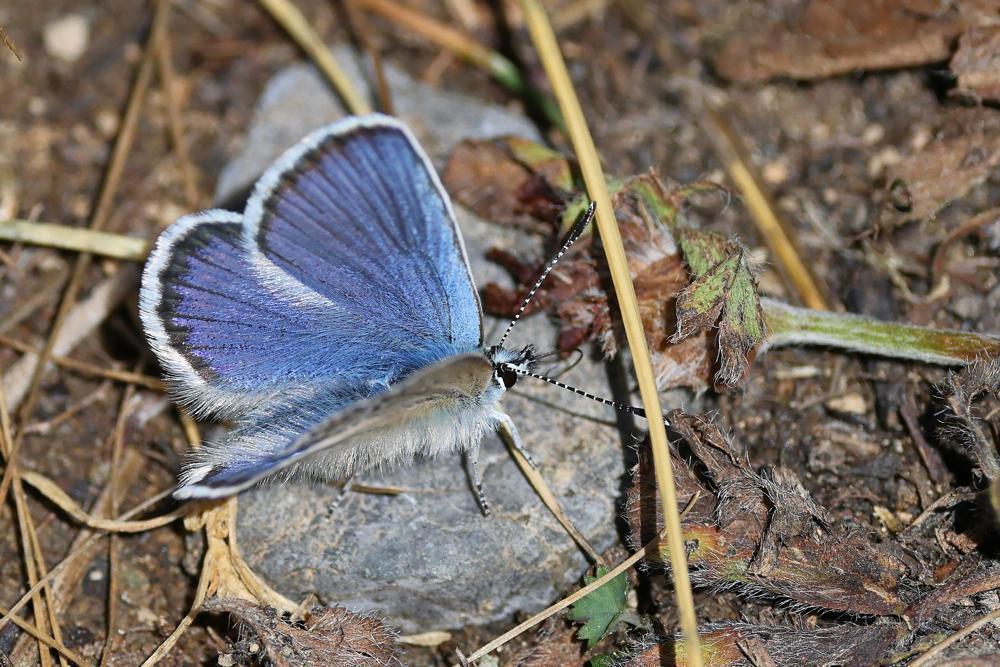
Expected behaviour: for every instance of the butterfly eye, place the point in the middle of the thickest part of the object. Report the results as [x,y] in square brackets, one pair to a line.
[507,376]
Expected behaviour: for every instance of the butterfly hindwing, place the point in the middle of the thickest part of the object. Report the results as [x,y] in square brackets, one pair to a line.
[438,408]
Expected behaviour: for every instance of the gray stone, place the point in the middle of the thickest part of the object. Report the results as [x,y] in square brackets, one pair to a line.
[427,559]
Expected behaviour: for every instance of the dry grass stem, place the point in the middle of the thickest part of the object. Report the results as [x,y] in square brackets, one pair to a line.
[583,144]
[128,377]
[102,209]
[64,237]
[9,43]
[168,81]
[295,24]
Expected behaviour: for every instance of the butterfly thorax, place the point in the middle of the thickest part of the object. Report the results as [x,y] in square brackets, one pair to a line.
[507,364]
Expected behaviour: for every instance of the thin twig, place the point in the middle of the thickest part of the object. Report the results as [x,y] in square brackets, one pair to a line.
[117,445]
[165,72]
[468,49]
[593,175]
[938,276]
[549,500]
[9,43]
[296,25]
[774,230]
[54,494]
[363,31]
[935,651]
[128,377]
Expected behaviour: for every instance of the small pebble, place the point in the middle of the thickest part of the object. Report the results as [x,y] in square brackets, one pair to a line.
[851,404]
[66,38]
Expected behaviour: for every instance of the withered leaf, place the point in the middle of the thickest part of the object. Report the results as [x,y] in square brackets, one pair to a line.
[329,636]
[976,63]
[514,181]
[509,180]
[762,534]
[965,154]
[731,644]
[823,38]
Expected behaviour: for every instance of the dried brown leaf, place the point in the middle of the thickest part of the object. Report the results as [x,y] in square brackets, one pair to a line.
[329,636]
[761,533]
[976,63]
[746,644]
[965,154]
[823,38]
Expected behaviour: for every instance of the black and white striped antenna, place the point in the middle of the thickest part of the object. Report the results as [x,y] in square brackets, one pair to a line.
[621,407]
[575,233]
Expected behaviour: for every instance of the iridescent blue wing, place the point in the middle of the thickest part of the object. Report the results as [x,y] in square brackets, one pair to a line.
[346,270]
[332,435]
[356,214]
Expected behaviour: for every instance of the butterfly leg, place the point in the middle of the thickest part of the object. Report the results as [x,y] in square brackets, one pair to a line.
[472,463]
[334,504]
[508,431]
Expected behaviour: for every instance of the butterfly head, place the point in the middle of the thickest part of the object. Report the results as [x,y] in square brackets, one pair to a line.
[509,364]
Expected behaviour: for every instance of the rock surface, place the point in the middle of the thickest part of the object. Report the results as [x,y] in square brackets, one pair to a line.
[427,559]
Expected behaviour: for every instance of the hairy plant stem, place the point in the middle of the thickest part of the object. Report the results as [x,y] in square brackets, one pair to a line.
[788,325]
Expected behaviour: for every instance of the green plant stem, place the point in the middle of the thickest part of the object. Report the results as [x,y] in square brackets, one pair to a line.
[788,325]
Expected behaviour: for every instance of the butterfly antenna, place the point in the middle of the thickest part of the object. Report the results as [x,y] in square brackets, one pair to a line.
[621,407]
[575,233]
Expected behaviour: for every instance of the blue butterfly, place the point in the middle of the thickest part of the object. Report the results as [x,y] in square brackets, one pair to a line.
[336,320]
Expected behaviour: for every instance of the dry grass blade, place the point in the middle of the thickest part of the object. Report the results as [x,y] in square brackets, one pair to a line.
[165,71]
[77,326]
[549,499]
[60,499]
[27,536]
[102,210]
[772,228]
[32,630]
[79,551]
[583,144]
[296,25]
[64,237]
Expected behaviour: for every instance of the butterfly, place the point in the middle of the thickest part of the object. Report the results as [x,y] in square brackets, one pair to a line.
[335,321]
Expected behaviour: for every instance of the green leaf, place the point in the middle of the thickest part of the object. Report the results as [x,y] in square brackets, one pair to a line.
[722,293]
[602,660]
[600,610]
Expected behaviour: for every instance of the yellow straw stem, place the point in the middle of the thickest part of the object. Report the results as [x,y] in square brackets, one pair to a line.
[593,176]
[295,24]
